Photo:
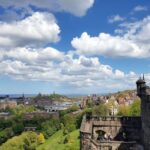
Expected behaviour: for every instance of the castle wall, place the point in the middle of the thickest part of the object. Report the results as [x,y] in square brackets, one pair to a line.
[114,126]
[117,126]
[145,112]
[143,92]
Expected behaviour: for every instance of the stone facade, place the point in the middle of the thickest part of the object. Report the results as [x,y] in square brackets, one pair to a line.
[42,114]
[143,92]
[110,133]
[7,104]
[119,133]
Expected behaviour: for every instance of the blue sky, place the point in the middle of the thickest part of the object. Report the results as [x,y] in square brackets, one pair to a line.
[73,47]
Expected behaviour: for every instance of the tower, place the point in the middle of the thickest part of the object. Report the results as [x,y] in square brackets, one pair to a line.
[141,84]
[143,92]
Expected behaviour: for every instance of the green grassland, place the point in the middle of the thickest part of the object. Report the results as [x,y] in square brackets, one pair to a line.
[56,142]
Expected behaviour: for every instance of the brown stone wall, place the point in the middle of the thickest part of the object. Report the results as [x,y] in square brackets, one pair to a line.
[115,126]
[85,143]
[8,104]
[145,110]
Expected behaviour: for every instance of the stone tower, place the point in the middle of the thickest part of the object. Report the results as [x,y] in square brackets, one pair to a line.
[143,92]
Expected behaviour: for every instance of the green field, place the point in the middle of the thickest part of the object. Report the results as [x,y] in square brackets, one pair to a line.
[56,142]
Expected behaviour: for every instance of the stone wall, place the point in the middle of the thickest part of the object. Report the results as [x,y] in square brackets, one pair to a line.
[143,92]
[7,104]
[114,126]
[145,110]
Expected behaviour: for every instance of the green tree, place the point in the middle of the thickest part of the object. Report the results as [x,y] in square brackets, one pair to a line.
[135,109]
[49,127]
[124,111]
[18,128]
[41,138]
[100,110]
[5,134]
[25,141]
[69,123]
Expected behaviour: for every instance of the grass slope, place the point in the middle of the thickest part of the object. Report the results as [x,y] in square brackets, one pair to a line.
[56,142]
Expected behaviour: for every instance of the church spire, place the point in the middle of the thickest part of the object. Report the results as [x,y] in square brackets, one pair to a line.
[143,77]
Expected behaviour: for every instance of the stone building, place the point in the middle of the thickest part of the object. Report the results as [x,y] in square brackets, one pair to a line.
[7,104]
[119,133]
[143,92]
[5,115]
[41,114]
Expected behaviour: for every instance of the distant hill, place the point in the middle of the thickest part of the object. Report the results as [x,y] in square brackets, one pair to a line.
[126,97]
[53,97]
[124,94]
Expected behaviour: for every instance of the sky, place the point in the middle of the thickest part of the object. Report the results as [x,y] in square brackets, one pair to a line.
[73,46]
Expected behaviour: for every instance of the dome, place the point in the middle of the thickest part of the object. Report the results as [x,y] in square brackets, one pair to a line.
[140,81]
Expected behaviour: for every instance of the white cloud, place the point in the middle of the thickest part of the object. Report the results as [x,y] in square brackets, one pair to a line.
[119,74]
[133,42]
[106,45]
[51,65]
[35,30]
[115,18]
[75,7]
[32,56]
[140,8]
[23,59]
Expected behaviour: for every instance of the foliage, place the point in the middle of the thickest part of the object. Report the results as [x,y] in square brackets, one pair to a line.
[49,127]
[5,123]
[56,142]
[100,110]
[18,128]
[20,109]
[69,110]
[135,109]
[78,117]
[30,141]
[90,103]
[35,122]
[50,97]
[17,124]
[6,134]
[9,128]
[69,123]
[124,111]
[132,110]
[26,141]
[41,138]
[66,139]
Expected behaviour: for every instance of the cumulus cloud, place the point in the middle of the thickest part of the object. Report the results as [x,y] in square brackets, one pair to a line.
[32,56]
[115,18]
[49,64]
[75,7]
[23,55]
[133,42]
[106,45]
[35,30]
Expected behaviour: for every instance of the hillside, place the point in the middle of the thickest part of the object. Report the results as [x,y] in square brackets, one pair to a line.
[52,97]
[56,142]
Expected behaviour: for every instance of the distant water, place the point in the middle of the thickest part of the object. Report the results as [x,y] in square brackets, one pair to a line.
[18,95]
[69,95]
